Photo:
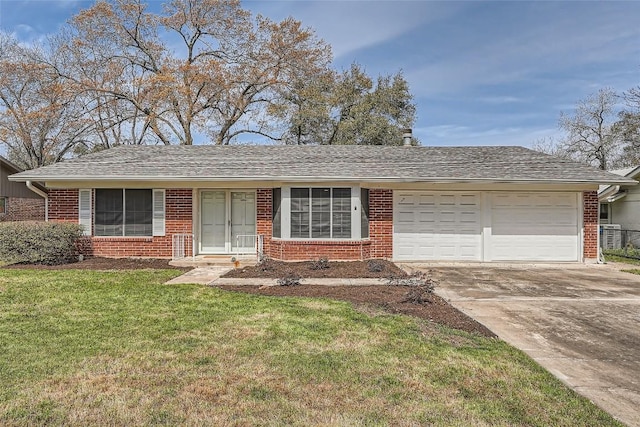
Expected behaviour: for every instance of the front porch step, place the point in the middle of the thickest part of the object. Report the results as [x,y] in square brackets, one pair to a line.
[231,261]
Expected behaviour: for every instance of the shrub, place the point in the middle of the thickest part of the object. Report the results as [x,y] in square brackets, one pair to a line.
[375,266]
[290,279]
[421,286]
[319,264]
[46,243]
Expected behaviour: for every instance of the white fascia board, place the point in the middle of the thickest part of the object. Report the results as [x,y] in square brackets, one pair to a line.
[298,179]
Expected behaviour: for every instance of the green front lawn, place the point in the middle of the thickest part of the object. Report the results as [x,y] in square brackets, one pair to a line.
[120,348]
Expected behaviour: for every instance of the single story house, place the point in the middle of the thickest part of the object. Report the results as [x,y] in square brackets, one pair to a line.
[18,202]
[341,202]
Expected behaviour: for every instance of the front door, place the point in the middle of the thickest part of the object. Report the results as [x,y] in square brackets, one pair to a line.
[243,221]
[213,222]
[227,221]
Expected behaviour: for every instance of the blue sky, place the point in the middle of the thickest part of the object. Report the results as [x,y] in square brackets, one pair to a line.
[482,73]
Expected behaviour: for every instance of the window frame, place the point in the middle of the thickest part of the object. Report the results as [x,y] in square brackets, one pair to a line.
[288,208]
[4,205]
[124,214]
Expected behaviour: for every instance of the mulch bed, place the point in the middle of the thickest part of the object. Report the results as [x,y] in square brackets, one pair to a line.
[387,298]
[271,269]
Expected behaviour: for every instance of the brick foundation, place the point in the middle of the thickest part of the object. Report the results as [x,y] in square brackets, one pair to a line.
[24,209]
[590,224]
[302,250]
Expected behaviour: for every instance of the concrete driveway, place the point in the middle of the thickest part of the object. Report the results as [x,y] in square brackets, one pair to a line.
[581,322]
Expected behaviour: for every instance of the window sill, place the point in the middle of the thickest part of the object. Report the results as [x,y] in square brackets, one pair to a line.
[323,241]
[123,238]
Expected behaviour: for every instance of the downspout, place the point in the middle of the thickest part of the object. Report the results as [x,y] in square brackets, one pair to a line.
[42,194]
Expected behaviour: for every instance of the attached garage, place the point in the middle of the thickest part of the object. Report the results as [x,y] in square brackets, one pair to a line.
[486,226]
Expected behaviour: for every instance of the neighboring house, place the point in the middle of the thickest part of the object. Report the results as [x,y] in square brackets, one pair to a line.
[620,204]
[17,202]
[339,202]
[620,212]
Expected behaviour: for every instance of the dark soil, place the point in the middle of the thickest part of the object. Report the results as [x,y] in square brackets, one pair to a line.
[388,298]
[318,269]
[391,299]
[96,263]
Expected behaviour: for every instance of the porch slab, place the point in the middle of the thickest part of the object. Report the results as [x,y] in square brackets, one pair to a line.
[230,261]
[200,276]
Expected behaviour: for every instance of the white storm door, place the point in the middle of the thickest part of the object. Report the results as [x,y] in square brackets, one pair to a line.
[213,221]
[243,221]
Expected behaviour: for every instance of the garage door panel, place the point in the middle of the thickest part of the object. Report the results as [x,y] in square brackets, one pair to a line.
[437,226]
[534,227]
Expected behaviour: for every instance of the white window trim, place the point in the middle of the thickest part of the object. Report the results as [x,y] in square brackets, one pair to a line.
[285,216]
[158,213]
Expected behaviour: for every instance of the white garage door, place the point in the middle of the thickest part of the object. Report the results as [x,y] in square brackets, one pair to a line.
[437,226]
[534,227]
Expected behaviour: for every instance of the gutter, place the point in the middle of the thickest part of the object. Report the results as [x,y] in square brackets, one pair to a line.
[42,194]
[430,180]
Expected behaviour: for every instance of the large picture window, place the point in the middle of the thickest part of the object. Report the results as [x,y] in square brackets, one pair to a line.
[121,212]
[321,213]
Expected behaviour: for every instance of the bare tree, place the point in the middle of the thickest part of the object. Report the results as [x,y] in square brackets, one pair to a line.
[222,73]
[628,127]
[590,134]
[41,118]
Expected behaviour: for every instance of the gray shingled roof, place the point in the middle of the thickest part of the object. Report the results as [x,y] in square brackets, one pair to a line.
[344,162]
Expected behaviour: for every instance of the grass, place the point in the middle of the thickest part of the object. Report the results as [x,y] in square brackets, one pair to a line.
[120,348]
[622,259]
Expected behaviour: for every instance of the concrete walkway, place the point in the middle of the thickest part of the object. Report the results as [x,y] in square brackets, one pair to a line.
[210,276]
[581,323]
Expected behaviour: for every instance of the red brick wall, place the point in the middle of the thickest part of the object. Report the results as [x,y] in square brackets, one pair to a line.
[264,226]
[302,250]
[381,223]
[590,224]
[24,209]
[63,207]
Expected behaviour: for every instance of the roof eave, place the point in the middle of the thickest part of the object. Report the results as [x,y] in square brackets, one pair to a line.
[437,180]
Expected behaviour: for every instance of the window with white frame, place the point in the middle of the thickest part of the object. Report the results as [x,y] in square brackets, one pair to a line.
[320,213]
[123,212]
[3,205]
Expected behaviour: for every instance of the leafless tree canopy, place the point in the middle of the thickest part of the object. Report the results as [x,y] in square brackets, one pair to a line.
[598,133]
[119,73]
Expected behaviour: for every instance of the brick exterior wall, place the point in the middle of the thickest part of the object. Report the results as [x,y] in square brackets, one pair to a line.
[63,207]
[264,224]
[303,250]
[381,223]
[590,224]
[24,209]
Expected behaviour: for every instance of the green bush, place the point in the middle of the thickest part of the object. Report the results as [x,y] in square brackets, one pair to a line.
[46,243]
